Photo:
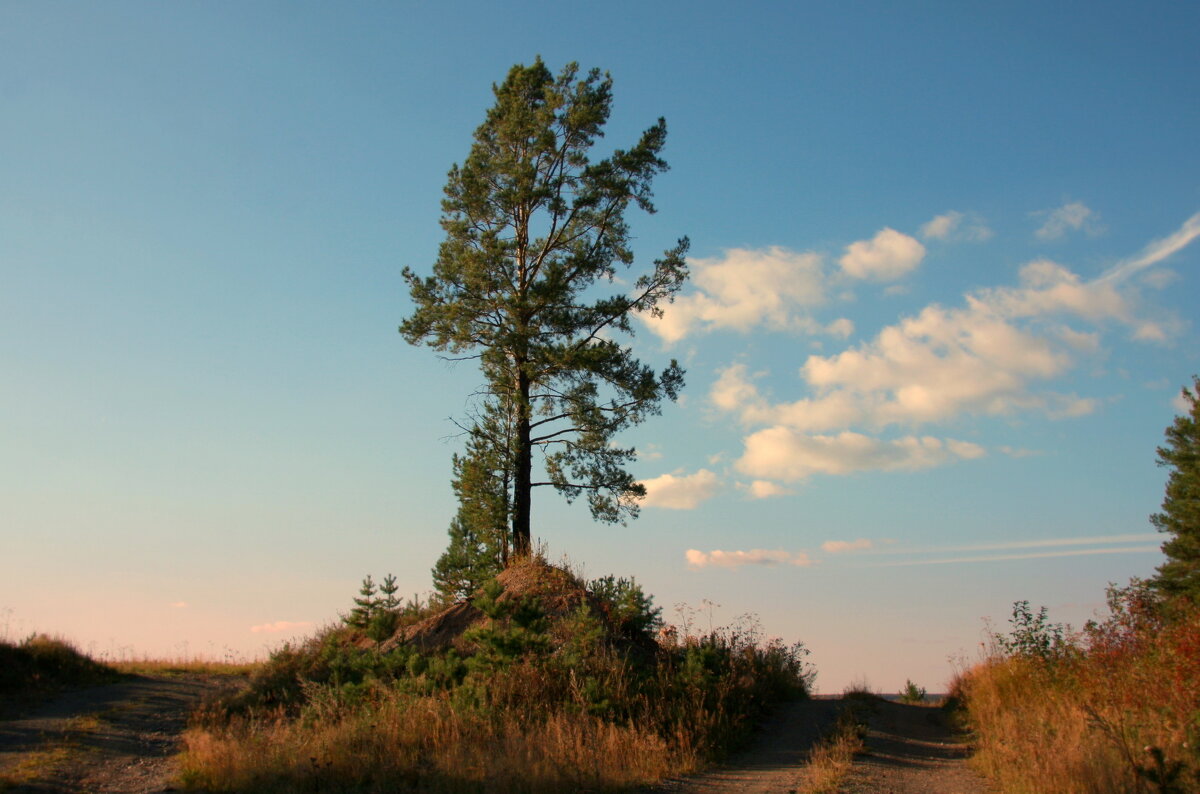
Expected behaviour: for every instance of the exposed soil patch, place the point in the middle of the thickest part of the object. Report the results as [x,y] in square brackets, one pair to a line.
[774,759]
[911,750]
[116,738]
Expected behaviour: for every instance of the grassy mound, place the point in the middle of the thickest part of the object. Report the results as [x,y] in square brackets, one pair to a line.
[541,682]
[42,664]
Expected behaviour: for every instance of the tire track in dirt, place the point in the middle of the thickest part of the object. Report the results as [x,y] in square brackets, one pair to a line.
[117,738]
[911,750]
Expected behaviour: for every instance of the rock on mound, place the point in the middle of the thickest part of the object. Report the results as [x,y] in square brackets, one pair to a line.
[557,592]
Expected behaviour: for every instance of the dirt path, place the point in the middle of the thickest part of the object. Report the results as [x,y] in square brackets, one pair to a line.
[773,761]
[910,750]
[115,738]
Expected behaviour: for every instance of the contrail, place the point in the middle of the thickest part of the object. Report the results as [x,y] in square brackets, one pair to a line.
[1154,252]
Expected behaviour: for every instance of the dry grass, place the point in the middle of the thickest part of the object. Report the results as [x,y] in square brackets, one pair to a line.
[1120,711]
[184,666]
[830,762]
[401,740]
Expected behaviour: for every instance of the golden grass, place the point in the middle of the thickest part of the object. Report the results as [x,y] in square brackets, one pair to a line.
[34,766]
[829,763]
[1121,713]
[184,666]
[402,740]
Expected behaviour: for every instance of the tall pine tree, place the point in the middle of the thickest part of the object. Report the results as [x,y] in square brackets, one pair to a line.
[532,228]
[1180,516]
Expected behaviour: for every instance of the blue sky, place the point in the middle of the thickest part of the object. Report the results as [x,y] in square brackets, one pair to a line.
[944,297]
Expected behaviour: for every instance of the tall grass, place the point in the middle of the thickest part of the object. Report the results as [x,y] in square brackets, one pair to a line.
[1114,708]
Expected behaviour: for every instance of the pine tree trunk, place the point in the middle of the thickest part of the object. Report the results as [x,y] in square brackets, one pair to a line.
[522,476]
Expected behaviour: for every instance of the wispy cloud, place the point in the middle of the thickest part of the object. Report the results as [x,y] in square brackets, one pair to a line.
[1037,543]
[842,546]
[1032,548]
[1027,556]
[280,626]
[179,604]
[954,225]
[1073,216]
[736,559]
[1156,251]
[681,491]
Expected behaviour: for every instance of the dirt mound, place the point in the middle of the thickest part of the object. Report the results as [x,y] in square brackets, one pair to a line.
[557,592]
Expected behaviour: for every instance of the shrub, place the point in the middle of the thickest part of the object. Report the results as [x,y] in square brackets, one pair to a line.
[912,694]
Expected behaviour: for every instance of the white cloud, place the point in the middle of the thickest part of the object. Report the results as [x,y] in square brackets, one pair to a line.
[1181,404]
[765,489]
[982,358]
[684,492]
[281,626]
[736,559]
[744,289]
[1073,216]
[955,225]
[889,255]
[842,546]
[780,453]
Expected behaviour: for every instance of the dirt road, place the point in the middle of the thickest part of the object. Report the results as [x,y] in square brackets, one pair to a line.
[116,738]
[909,750]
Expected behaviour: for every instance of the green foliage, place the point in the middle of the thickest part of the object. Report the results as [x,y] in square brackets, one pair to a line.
[479,540]
[912,693]
[532,228]
[515,629]
[1033,635]
[630,609]
[387,591]
[1180,516]
[365,605]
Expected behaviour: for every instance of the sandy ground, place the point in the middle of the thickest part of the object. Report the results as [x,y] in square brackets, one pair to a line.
[116,738]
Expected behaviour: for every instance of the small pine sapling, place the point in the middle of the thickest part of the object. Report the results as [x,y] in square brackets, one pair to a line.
[365,605]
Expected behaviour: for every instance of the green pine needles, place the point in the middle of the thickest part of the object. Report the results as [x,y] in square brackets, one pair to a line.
[1180,516]
[533,228]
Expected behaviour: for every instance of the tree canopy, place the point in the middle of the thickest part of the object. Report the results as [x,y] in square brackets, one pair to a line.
[533,229]
[1180,516]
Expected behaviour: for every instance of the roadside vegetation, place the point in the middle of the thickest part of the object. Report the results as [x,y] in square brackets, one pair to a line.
[1115,707]
[540,682]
